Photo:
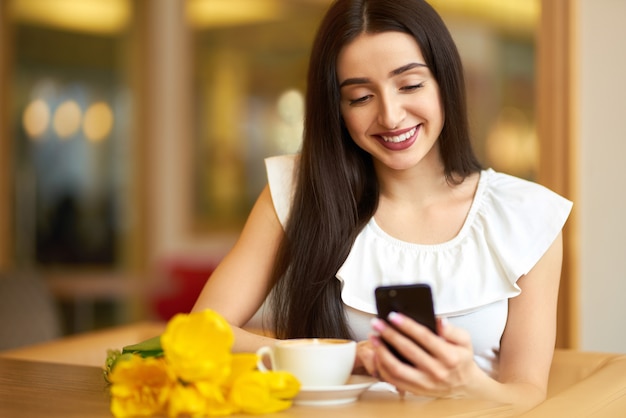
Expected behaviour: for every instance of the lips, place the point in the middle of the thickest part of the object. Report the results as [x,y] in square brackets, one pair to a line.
[401,137]
[400,141]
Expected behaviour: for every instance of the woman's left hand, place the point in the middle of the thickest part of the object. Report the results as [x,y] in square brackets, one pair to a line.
[441,365]
[364,362]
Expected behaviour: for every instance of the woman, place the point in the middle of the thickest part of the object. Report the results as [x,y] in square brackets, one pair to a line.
[387,190]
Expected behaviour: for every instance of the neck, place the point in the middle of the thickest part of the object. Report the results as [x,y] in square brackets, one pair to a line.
[420,185]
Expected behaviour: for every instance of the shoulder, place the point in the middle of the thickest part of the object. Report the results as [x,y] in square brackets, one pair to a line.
[512,186]
[513,196]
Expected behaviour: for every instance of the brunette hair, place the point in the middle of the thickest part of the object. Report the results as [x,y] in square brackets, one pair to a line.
[337,189]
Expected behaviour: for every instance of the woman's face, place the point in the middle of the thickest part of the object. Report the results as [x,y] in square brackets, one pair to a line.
[390,101]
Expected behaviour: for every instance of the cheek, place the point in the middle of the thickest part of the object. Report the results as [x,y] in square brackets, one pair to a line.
[357,121]
[431,110]
[440,111]
[351,124]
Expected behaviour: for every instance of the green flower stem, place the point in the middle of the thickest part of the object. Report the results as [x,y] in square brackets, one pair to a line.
[148,348]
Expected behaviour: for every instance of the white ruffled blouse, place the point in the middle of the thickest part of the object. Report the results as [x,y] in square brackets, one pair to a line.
[510,225]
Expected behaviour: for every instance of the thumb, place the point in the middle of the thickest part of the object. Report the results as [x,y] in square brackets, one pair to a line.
[452,334]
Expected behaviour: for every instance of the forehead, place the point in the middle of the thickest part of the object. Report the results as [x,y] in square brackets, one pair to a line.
[371,52]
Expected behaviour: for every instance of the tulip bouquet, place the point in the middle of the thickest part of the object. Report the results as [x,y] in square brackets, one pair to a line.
[190,371]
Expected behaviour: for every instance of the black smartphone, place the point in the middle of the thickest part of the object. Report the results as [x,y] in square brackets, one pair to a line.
[413,300]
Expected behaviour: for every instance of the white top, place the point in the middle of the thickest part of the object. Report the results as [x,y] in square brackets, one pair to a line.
[510,225]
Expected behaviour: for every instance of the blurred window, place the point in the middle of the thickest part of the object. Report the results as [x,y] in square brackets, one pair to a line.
[71,122]
[250,64]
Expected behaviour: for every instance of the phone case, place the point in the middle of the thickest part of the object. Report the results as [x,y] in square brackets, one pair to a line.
[414,301]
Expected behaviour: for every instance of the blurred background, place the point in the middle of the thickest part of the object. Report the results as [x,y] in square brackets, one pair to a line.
[133,134]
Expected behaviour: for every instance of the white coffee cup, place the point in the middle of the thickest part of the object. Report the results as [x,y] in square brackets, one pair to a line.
[315,362]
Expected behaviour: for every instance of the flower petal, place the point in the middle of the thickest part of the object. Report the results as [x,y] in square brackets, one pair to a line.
[197,345]
[140,387]
[252,392]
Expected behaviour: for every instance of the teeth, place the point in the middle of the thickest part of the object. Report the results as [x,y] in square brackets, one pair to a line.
[400,138]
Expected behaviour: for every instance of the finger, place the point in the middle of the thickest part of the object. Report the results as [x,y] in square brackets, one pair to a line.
[442,322]
[453,334]
[443,353]
[426,351]
[414,354]
[404,378]
[428,341]
[418,381]
[366,355]
[396,339]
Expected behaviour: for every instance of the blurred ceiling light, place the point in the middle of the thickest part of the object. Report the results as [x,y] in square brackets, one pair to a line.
[518,15]
[67,119]
[288,130]
[204,14]
[95,16]
[98,121]
[290,106]
[36,118]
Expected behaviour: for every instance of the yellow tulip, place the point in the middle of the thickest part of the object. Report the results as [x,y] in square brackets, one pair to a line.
[190,371]
[198,400]
[198,346]
[140,387]
[257,392]
[187,401]
[241,363]
[283,385]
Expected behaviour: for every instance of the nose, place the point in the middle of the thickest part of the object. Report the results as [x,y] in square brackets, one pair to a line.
[390,112]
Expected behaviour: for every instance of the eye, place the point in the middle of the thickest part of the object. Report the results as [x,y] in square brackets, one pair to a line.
[360,100]
[412,87]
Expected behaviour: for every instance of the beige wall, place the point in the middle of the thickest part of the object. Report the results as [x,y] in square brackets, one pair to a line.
[171,227]
[602,190]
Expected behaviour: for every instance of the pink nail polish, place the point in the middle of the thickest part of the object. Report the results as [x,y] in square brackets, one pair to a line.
[374,340]
[378,324]
[395,318]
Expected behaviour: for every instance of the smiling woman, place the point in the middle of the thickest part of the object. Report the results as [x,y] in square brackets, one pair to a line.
[386,190]
[396,101]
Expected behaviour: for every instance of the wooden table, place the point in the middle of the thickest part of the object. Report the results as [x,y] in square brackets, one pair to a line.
[35,389]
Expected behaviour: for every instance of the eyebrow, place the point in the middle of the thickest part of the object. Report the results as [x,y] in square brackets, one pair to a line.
[392,73]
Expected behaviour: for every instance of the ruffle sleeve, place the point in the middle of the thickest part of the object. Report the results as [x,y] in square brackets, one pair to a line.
[527,218]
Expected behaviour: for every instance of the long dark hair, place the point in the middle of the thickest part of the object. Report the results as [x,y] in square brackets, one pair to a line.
[337,189]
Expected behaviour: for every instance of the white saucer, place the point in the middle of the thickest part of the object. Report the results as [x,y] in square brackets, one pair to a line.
[334,395]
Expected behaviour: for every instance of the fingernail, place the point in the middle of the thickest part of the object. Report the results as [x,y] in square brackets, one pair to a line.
[378,324]
[395,318]
[374,340]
